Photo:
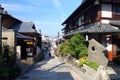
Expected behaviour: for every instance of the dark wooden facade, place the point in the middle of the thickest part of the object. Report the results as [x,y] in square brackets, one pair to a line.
[9,20]
[92,12]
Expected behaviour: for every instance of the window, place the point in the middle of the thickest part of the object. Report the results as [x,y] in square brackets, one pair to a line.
[116,9]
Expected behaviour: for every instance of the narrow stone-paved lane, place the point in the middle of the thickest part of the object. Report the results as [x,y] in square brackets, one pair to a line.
[50,69]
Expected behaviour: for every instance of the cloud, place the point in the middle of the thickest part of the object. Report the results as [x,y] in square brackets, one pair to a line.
[57,4]
[12,7]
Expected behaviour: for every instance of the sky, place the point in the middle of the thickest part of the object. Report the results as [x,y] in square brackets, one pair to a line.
[47,15]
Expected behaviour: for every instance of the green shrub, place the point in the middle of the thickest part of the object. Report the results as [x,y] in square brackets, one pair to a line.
[82,60]
[11,70]
[4,73]
[75,47]
[92,64]
[78,46]
[64,48]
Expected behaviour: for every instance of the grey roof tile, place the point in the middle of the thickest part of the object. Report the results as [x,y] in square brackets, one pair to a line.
[24,27]
[96,29]
[115,23]
[100,29]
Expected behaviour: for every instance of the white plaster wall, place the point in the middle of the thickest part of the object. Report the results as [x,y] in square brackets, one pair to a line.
[106,10]
[105,21]
[10,35]
[18,50]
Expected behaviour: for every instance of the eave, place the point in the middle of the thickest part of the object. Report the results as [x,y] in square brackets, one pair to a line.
[79,10]
[96,29]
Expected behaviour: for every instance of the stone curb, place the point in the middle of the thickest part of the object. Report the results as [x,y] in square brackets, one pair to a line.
[76,70]
[89,70]
[79,72]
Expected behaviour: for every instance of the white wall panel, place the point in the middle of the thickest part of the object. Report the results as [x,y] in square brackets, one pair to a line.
[106,10]
[105,21]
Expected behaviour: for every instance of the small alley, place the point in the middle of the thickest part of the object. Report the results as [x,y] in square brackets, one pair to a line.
[36,44]
[51,69]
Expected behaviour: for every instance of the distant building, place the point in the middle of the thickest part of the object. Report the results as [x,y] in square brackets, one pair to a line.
[98,19]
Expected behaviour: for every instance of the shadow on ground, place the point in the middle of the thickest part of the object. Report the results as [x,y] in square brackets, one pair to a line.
[115,74]
[36,73]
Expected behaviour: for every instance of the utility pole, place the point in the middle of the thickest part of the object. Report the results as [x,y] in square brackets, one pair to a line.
[1,13]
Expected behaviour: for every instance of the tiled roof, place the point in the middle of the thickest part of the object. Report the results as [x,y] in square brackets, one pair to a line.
[115,23]
[18,35]
[100,29]
[25,27]
[96,29]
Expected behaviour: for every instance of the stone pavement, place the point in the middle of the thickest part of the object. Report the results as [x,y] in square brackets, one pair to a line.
[113,70]
[52,69]
[25,64]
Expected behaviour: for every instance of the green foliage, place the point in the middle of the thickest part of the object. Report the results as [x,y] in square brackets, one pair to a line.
[75,47]
[64,48]
[4,72]
[78,46]
[92,64]
[12,57]
[8,71]
[3,47]
[84,60]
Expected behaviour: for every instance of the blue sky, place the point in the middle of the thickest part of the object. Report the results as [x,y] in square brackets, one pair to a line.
[47,15]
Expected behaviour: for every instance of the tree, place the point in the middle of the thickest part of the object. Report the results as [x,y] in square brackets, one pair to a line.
[78,46]
[75,47]
[64,48]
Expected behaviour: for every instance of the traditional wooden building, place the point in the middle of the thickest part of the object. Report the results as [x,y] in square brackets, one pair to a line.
[25,35]
[28,29]
[98,19]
